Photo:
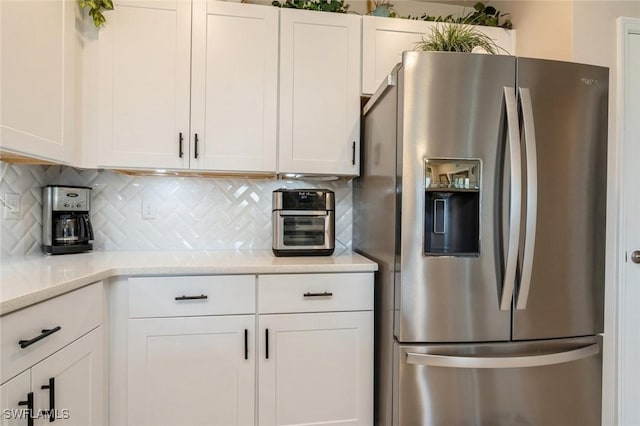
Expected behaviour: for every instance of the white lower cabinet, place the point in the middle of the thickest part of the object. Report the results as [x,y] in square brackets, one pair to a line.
[52,362]
[316,349]
[316,369]
[191,350]
[192,371]
[197,353]
[66,387]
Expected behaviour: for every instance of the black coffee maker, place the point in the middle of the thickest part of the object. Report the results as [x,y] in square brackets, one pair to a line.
[66,227]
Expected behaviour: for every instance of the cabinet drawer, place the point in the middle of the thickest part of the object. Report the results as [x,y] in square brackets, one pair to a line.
[315,293]
[191,296]
[76,313]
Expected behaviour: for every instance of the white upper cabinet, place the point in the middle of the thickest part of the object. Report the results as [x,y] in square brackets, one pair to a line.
[38,78]
[188,85]
[234,86]
[319,93]
[384,40]
[143,83]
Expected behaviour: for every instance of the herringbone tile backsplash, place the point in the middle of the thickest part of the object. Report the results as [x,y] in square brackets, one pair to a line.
[193,213]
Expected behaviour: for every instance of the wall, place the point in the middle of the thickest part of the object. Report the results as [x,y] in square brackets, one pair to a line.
[193,213]
[543,28]
[595,36]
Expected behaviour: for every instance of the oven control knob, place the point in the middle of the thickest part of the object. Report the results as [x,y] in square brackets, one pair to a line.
[66,205]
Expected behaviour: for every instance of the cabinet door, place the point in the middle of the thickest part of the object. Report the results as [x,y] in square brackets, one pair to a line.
[316,369]
[12,393]
[384,40]
[192,371]
[78,383]
[143,85]
[319,93]
[234,87]
[38,79]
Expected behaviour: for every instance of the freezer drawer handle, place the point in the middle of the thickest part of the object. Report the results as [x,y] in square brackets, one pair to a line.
[503,361]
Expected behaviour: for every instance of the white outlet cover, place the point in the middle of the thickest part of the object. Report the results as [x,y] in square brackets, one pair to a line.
[149,209]
[11,206]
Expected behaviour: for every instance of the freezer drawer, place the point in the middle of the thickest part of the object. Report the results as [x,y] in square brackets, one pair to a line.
[535,383]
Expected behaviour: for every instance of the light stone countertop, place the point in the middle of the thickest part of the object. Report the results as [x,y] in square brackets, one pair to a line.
[29,280]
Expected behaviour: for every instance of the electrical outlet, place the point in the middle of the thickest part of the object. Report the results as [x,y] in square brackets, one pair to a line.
[149,209]
[11,206]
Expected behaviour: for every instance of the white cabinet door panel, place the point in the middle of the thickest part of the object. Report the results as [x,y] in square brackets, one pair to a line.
[191,371]
[234,91]
[77,370]
[12,393]
[144,75]
[319,93]
[38,78]
[319,369]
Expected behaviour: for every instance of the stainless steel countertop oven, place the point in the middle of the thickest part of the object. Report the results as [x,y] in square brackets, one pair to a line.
[303,222]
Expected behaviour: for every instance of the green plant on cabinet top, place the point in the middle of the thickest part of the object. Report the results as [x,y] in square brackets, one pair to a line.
[483,15]
[96,7]
[338,6]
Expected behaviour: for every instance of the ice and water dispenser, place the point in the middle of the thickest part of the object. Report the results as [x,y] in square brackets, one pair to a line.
[452,207]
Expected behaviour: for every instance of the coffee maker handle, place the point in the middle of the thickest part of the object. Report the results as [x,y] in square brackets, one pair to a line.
[87,223]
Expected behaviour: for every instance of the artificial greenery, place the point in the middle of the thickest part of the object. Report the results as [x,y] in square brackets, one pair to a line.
[448,37]
[96,7]
[481,15]
[338,6]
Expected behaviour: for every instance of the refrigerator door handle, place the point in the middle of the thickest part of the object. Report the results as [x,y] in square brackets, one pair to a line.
[515,199]
[502,361]
[532,198]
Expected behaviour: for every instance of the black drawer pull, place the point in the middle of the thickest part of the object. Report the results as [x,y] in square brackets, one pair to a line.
[323,294]
[45,333]
[29,404]
[246,344]
[266,343]
[183,297]
[353,153]
[52,398]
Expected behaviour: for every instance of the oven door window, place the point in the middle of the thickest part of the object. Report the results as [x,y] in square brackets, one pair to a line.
[303,231]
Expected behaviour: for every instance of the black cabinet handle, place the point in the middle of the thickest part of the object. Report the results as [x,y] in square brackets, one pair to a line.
[29,404]
[183,297]
[195,151]
[180,140]
[323,294]
[52,398]
[45,333]
[266,343]
[246,344]
[353,153]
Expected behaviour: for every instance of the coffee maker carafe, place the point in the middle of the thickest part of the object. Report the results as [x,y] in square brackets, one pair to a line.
[66,227]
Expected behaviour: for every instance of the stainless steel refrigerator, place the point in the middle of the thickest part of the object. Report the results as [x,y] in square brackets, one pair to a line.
[482,197]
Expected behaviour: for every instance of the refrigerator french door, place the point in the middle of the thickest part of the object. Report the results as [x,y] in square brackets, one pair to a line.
[496,266]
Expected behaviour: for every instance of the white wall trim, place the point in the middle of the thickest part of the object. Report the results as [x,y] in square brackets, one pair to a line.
[611,409]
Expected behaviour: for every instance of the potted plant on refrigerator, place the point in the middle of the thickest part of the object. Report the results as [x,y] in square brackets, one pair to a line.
[449,37]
